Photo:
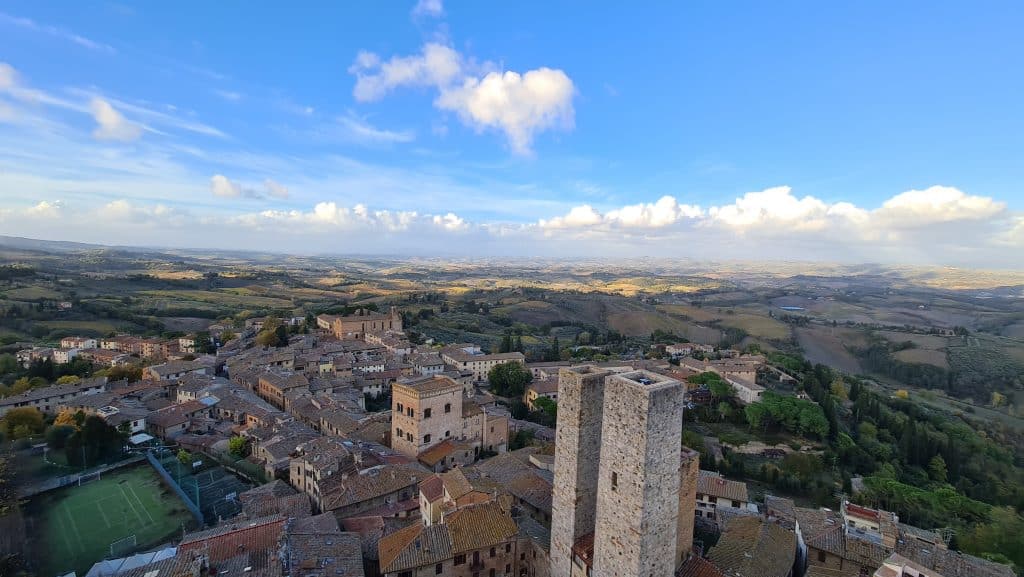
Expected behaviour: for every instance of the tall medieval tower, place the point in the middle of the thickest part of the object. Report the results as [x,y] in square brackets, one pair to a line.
[618,463]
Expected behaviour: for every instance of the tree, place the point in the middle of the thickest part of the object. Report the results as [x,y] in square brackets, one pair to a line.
[902,394]
[96,441]
[937,469]
[509,379]
[555,352]
[237,446]
[1002,535]
[725,410]
[838,389]
[548,406]
[227,336]
[185,457]
[23,422]
[57,435]
[68,379]
[70,418]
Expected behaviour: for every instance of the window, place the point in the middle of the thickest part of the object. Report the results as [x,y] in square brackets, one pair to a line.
[405,574]
[460,559]
[615,481]
[438,568]
[398,432]
[821,556]
[426,438]
[522,556]
[447,434]
[493,552]
[408,437]
[426,413]
[410,412]
[736,504]
[400,408]
[447,407]
[508,547]
[508,568]
[711,515]
[491,573]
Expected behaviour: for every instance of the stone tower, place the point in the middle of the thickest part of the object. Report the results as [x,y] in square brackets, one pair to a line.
[689,470]
[636,534]
[577,453]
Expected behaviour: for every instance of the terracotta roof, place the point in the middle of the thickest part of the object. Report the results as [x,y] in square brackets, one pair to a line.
[414,546]
[480,526]
[431,384]
[545,386]
[341,490]
[698,567]
[228,541]
[432,488]
[324,554]
[752,546]
[468,529]
[455,483]
[713,484]
[439,452]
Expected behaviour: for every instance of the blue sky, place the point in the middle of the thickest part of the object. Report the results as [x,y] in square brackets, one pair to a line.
[868,131]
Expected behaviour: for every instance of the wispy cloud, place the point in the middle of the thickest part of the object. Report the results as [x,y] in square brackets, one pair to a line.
[56,32]
[228,95]
[362,131]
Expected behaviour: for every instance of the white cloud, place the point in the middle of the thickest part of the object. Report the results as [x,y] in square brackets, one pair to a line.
[46,209]
[228,95]
[275,189]
[519,105]
[359,130]
[664,212]
[934,205]
[57,32]
[772,207]
[223,187]
[450,222]
[111,124]
[432,8]
[436,66]
[579,216]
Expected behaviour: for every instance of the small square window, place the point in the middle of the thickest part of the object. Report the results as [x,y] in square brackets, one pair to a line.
[615,481]
[438,569]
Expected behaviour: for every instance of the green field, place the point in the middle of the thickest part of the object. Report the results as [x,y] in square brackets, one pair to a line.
[75,526]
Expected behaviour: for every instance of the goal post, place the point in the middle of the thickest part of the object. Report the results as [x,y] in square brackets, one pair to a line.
[88,478]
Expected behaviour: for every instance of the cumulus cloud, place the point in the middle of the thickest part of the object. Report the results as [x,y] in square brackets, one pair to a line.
[666,211]
[450,222]
[520,105]
[436,66]
[934,205]
[46,209]
[224,187]
[921,225]
[111,124]
[433,8]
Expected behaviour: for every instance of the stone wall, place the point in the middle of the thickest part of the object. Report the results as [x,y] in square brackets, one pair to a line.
[577,452]
[635,533]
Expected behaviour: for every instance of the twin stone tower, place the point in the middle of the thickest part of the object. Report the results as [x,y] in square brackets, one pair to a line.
[624,489]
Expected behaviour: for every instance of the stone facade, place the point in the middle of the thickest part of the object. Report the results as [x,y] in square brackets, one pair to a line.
[357,325]
[689,469]
[635,533]
[424,414]
[618,464]
[577,453]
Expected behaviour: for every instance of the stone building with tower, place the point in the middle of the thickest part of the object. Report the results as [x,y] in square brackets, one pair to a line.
[618,462]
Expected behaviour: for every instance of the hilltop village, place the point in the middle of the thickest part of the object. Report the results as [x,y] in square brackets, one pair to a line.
[363,453]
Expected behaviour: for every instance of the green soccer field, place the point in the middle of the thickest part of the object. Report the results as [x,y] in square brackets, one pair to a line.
[75,525]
